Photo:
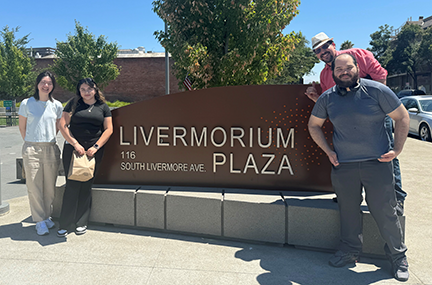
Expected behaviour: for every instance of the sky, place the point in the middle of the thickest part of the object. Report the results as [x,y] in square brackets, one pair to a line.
[132,23]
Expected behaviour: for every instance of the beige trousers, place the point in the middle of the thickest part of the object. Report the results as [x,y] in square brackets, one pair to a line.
[41,163]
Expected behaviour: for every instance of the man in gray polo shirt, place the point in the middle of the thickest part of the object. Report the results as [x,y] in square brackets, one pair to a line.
[362,158]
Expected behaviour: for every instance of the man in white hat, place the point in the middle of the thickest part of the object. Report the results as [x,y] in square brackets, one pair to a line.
[325,50]
[369,68]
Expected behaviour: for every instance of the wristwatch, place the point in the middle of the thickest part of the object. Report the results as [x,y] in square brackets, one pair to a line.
[96,146]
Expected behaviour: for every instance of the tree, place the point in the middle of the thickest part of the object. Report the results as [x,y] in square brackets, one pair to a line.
[220,42]
[380,42]
[81,56]
[406,57]
[16,76]
[425,49]
[300,63]
[346,45]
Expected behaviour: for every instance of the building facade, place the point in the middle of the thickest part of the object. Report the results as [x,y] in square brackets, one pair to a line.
[142,76]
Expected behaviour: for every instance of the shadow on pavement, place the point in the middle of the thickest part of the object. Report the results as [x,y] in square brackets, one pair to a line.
[293,266]
[20,232]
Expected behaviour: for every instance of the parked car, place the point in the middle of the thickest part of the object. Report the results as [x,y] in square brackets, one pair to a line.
[410,92]
[420,112]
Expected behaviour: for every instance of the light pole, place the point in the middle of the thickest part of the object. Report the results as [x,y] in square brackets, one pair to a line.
[167,88]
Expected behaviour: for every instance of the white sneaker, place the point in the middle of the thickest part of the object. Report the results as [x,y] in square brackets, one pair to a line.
[41,228]
[49,223]
[81,230]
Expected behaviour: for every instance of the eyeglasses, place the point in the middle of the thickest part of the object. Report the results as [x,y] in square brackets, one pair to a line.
[46,83]
[86,90]
[323,47]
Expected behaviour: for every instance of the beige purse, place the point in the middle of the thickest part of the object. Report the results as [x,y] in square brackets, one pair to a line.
[81,167]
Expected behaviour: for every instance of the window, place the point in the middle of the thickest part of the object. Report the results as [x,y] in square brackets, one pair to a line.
[410,103]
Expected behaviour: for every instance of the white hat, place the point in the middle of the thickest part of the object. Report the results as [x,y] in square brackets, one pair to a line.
[319,40]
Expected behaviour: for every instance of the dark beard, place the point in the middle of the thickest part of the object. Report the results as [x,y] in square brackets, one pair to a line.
[346,84]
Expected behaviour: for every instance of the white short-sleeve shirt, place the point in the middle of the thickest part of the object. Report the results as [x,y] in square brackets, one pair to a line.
[41,117]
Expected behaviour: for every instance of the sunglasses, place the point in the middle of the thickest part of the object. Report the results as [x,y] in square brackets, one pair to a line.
[323,47]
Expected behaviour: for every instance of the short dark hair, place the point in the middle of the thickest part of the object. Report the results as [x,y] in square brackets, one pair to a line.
[353,58]
[39,79]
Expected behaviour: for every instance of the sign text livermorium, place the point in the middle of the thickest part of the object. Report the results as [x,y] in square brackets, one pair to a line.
[238,137]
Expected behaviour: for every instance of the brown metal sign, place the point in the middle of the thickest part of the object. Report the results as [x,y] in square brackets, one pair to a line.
[252,137]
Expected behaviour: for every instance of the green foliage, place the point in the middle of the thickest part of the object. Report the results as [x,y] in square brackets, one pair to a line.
[425,49]
[81,56]
[300,63]
[406,56]
[220,42]
[118,104]
[380,42]
[16,76]
[346,45]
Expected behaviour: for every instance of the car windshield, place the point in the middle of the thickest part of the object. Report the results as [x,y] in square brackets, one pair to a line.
[426,105]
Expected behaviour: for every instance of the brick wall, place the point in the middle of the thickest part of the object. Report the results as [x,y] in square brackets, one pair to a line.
[140,78]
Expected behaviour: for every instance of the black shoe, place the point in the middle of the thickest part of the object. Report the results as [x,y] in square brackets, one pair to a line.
[399,208]
[341,258]
[400,269]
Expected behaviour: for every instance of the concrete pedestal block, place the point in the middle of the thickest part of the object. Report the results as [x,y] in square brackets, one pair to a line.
[254,216]
[197,211]
[150,207]
[20,174]
[312,220]
[113,206]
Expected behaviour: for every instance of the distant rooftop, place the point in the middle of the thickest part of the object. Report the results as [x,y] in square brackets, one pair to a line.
[48,52]
[424,23]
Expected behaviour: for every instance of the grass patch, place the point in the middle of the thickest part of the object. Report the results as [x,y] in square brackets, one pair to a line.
[4,120]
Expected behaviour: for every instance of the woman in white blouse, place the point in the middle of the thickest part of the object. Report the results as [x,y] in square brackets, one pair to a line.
[38,124]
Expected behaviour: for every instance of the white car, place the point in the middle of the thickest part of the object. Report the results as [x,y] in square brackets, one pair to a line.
[420,112]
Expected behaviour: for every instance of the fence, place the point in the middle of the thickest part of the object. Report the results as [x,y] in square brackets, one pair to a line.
[8,113]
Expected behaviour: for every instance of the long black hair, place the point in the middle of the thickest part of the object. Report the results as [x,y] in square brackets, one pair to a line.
[100,98]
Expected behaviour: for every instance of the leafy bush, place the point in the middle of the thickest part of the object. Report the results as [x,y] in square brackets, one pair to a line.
[118,104]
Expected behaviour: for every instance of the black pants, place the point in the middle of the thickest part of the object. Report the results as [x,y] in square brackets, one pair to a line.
[75,211]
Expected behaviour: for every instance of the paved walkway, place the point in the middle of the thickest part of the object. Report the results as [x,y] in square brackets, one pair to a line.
[114,255]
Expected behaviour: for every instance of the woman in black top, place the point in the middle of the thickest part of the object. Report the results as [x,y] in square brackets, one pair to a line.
[86,125]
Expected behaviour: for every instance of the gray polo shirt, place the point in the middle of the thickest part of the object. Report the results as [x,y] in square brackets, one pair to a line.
[358,120]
